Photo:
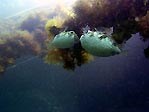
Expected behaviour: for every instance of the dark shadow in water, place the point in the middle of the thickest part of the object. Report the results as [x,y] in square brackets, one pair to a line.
[113,84]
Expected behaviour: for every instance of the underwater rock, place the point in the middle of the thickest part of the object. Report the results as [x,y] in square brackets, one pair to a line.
[99,44]
[143,26]
[146,52]
[122,32]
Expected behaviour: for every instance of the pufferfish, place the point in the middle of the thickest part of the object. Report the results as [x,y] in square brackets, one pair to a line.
[64,40]
[99,44]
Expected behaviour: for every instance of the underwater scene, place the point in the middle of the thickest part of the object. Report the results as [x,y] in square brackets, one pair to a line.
[74,56]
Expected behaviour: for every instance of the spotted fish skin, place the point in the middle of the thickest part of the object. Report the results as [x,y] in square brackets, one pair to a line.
[64,40]
[98,44]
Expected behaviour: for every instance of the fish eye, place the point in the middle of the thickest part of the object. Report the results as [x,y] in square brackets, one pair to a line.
[103,36]
[71,32]
[91,34]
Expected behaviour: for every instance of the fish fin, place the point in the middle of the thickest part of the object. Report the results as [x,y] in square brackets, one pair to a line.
[107,31]
[103,36]
[64,29]
[86,29]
